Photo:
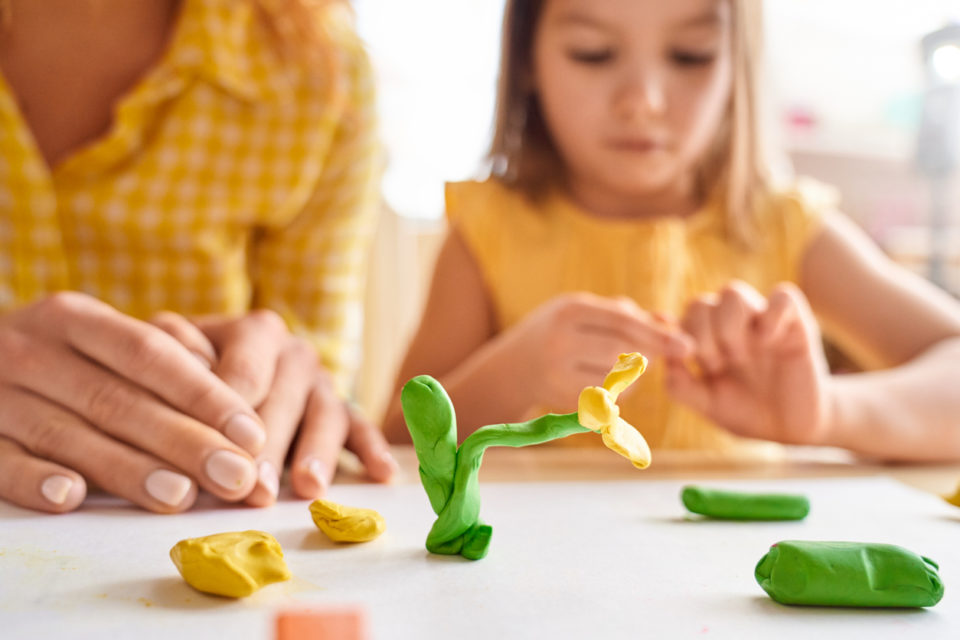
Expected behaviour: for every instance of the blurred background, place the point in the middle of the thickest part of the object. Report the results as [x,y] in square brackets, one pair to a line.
[863,95]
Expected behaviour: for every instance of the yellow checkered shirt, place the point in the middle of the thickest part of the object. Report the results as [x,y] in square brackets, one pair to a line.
[229,180]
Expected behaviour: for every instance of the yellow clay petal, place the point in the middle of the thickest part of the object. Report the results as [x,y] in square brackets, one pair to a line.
[629,367]
[346,524]
[230,564]
[596,408]
[627,441]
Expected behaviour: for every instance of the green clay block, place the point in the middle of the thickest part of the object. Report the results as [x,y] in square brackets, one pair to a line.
[848,574]
[733,505]
[450,475]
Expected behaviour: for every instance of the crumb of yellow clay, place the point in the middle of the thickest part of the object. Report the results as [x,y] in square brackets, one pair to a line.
[346,524]
[954,499]
[597,410]
[232,564]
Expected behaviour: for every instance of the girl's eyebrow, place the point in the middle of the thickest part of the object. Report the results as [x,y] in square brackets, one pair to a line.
[573,18]
[711,18]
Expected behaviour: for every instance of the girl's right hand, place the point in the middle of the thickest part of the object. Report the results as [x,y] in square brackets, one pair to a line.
[572,341]
[88,392]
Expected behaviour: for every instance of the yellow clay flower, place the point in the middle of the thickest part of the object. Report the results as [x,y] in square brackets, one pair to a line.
[597,410]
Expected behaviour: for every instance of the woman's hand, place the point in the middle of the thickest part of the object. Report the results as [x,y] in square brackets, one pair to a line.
[281,376]
[762,372]
[570,342]
[87,392]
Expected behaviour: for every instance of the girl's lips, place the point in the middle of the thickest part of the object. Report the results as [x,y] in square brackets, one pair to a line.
[642,145]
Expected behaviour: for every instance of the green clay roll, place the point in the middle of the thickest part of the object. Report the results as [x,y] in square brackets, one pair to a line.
[848,574]
[733,505]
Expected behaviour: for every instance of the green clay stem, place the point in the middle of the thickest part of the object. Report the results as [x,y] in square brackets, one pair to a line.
[848,574]
[734,505]
[450,475]
[432,423]
[462,510]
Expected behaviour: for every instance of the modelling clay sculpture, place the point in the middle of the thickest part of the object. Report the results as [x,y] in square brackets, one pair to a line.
[346,524]
[449,474]
[734,505]
[848,574]
[232,564]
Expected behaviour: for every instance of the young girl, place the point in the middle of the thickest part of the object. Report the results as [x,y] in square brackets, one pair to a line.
[212,158]
[629,209]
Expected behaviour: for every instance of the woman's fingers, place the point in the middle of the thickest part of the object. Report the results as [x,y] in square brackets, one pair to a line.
[59,437]
[146,356]
[187,334]
[282,413]
[131,415]
[367,441]
[34,483]
[248,349]
[324,431]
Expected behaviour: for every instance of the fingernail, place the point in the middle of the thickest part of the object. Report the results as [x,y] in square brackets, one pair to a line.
[167,487]
[229,470]
[244,431]
[269,479]
[389,460]
[204,360]
[319,472]
[56,488]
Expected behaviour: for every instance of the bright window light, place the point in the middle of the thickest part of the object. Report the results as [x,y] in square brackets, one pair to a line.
[945,61]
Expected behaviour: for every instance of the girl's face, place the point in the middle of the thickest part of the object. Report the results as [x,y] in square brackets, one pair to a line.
[632,91]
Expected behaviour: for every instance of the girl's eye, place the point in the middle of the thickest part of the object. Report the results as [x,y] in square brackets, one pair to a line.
[692,59]
[598,56]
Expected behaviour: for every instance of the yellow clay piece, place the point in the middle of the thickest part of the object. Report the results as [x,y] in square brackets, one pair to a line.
[627,441]
[346,524]
[597,410]
[232,564]
[954,499]
[629,367]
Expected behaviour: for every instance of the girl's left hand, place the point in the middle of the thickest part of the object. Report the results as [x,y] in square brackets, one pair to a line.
[280,375]
[762,371]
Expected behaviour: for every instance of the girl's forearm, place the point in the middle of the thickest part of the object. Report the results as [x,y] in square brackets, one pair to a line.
[910,412]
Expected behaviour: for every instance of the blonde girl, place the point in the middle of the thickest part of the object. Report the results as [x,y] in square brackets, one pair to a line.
[629,208]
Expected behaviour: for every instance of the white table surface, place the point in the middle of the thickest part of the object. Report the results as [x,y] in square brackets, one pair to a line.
[608,559]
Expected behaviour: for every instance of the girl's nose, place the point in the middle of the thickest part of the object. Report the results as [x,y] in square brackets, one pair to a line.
[640,96]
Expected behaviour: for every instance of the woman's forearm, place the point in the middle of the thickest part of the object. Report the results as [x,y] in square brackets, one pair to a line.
[910,412]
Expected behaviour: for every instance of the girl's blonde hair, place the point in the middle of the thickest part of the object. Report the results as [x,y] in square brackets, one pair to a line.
[734,170]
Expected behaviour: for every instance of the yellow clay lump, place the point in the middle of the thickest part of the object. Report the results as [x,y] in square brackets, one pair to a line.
[232,564]
[346,524]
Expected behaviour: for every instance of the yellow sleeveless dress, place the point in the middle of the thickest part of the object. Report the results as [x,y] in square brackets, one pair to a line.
[529,252]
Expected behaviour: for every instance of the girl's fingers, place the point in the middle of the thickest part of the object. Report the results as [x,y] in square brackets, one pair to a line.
[698,322]
[733,320]
[187,334]
[633,328]
[688,389]
[787,311]
[282,412]
[324,431]
[371,447]
[31,482]
[248,348]
[63,438]
[131,415]
[145,355]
